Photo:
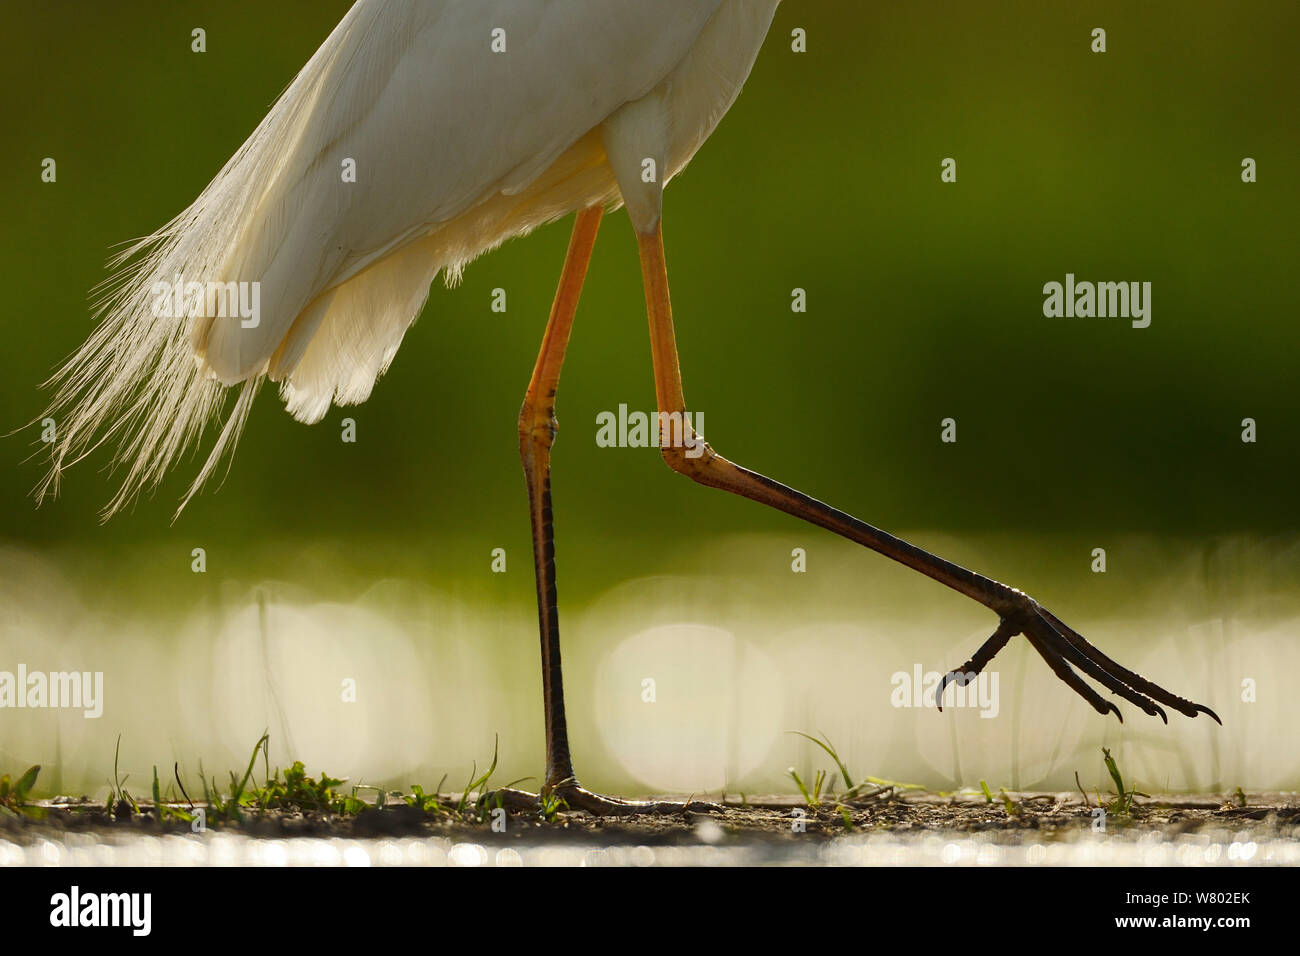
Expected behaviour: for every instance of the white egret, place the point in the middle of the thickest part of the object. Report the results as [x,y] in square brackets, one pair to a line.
[464,124]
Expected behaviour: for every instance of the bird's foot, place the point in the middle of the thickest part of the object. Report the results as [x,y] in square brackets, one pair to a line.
[579,798]
[1061,646]
[569,794]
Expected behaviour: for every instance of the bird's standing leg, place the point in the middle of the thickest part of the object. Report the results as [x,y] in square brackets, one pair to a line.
[1059,645]
[537,430]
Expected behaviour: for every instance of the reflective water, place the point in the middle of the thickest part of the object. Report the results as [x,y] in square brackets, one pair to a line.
[1215,848]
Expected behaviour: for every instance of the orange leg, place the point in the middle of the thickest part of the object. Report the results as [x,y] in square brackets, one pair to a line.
[537,429]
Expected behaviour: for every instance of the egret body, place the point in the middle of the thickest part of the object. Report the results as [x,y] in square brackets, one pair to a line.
[464,124]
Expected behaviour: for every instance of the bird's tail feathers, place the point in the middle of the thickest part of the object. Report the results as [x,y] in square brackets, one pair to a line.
[140,379]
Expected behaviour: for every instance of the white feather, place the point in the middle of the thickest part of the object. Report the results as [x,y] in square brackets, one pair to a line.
[457,148]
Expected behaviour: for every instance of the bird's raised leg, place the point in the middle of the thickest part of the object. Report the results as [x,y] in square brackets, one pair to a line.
[537,430]
[1060,646]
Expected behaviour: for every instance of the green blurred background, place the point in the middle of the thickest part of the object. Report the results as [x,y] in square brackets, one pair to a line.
[924,302]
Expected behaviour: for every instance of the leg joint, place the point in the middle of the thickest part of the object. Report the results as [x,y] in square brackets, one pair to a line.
[693,458]
[537,426]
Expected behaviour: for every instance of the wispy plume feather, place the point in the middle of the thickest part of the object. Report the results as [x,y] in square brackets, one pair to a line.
[140,381]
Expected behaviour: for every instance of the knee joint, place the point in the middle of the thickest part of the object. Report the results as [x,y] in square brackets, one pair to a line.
[537,427]
[694,459]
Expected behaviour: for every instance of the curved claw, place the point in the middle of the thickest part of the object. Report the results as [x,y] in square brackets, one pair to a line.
[1060,646]
[1123,675]
[1201,708]
[1074,655]
[970,670]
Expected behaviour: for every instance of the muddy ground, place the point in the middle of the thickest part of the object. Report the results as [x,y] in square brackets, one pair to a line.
[1017,817]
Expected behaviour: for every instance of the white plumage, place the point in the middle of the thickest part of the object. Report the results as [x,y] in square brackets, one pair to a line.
[457,147]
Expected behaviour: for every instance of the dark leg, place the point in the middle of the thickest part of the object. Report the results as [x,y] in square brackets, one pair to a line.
[1058,644]
[537,429]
